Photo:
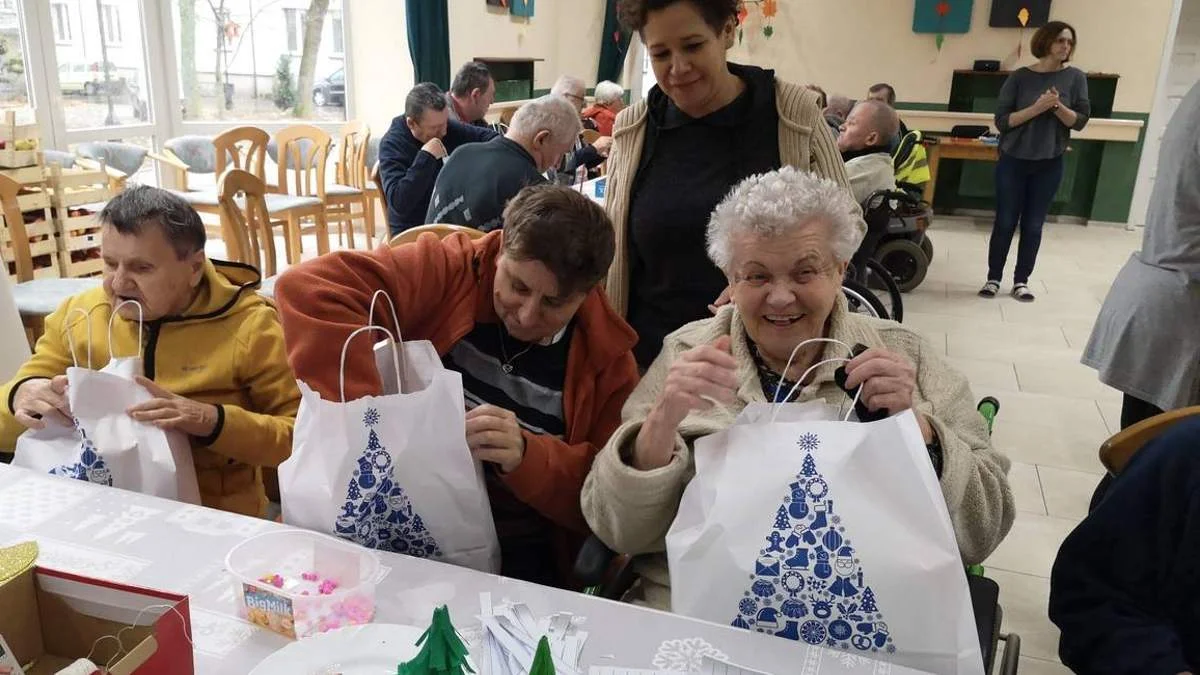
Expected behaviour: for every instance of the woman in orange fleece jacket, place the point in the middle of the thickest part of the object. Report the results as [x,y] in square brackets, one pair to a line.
[546,363]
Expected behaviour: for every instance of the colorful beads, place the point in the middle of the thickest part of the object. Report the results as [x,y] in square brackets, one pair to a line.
[273,579]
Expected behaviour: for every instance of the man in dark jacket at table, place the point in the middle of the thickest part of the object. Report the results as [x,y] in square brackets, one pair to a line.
[412,151]
[479,179]
[1125,589]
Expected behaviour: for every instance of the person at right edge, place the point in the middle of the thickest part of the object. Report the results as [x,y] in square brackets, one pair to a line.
[1038,107]
[1147,335]
[703,128]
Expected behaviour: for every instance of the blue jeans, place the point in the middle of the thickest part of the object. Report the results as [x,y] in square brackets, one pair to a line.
[1024,191]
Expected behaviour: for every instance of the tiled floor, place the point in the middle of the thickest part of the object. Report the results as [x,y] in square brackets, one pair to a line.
[1054,413]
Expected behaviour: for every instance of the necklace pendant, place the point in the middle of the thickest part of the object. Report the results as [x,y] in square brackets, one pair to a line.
[507,368]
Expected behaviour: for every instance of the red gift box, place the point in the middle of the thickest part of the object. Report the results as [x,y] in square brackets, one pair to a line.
[52,618]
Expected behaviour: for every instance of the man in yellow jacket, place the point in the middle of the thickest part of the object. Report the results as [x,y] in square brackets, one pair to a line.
[212,349]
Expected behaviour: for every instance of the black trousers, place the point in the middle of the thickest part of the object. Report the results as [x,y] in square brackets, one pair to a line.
[1133,410]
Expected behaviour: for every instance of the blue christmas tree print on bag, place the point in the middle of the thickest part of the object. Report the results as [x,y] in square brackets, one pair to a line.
[90,467]
[377,513]
[807,583]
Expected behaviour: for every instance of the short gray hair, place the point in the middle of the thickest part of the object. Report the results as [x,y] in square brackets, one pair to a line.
[568,84]
[551,113]
[609,92]
[139,206]
[881,118]
[771,204]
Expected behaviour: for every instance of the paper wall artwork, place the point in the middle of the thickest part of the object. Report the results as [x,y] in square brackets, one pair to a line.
[1019,13]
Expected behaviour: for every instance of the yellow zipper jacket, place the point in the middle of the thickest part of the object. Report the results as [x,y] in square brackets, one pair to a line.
[226,349]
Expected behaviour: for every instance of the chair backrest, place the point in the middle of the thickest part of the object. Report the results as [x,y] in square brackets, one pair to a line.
[442,231]
[1116,452]
[352,155]
[372,151]
[242,148]
[197,152]
[14,221]
[304,150]
[248,237]
[590,136]
[124,157]
[64,159]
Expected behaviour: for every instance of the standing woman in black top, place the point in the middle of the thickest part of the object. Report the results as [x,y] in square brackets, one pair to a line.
[1038,107]
[704,127]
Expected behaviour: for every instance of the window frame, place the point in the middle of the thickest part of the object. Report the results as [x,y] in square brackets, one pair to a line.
[155,21]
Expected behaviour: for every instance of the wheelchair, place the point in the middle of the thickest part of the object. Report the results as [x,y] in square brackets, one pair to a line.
[897,221]
[605,574]
[860,299]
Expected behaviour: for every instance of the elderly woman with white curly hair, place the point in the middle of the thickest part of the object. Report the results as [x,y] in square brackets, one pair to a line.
[783,239]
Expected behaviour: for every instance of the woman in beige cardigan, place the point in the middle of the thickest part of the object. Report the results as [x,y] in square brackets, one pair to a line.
[784,239]
[706,125]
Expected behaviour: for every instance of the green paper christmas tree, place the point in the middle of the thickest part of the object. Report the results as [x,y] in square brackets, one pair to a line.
[442,650]
[542,663]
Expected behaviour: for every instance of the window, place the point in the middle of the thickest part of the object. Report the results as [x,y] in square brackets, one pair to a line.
[14,87]
[336,24]
[292,20]
[111,24]
[256,78]
[62,22]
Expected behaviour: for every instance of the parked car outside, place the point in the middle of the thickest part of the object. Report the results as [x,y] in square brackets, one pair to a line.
[331,90]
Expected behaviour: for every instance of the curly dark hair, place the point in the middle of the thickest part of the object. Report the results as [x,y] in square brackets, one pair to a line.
[716,13]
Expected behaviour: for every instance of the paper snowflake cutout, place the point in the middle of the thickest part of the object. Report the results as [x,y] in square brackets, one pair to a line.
[686,655]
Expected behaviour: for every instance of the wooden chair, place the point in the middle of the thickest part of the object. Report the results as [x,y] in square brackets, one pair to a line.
[249,236]
[1116,452]
[442,231]
[243,148]
[374,192]
[351,186]
[34,295]
[303,154]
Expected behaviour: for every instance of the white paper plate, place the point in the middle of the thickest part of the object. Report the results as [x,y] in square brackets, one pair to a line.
[371,649]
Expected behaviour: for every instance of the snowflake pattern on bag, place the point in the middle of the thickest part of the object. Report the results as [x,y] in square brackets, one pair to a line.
[807,583]
[90,467]
[377,514]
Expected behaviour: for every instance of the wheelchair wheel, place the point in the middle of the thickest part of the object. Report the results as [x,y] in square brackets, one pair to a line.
[880,281]
[905,260]
[860,300]
[927,247]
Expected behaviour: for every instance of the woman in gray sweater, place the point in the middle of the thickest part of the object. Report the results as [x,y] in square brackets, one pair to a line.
[1038,107]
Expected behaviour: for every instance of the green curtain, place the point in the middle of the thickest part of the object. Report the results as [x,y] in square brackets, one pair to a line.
[429,40]
[613,45]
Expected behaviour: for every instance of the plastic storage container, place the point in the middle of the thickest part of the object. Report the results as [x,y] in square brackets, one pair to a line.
[299,583]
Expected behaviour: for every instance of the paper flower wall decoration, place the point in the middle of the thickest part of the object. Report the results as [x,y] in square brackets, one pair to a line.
[767,9]
[941,17]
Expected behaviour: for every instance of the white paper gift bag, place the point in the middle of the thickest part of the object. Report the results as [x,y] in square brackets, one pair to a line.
[829,532]
[106,445]
[393,472]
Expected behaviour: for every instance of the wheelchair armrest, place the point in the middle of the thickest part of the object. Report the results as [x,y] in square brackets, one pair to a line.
[591,565]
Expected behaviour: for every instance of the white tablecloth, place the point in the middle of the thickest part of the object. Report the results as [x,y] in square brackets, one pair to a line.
[124,536]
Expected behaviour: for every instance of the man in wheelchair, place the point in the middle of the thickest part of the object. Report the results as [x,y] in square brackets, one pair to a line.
[865,143]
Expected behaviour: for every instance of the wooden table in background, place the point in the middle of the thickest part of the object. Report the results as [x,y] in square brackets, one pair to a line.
[956,149]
